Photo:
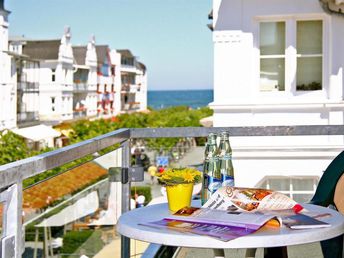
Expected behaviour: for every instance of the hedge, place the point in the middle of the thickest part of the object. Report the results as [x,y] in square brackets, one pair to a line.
[72,240]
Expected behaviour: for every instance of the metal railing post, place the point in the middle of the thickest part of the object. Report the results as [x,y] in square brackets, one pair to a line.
[20,244]
[125,241]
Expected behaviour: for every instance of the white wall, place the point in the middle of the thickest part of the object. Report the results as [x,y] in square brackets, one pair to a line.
[116,60]
[8,94]
[143,91]
[62,88]
[91,62]
[237,99]
[337,58]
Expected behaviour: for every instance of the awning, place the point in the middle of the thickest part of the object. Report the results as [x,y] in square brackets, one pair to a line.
[37,133]
[81,208]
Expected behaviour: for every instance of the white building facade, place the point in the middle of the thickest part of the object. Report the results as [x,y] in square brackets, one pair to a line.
[7,76]
[116,63]
[134,83]
[85,81]
[107,80]
[56,76]
[27,77]
[278,63]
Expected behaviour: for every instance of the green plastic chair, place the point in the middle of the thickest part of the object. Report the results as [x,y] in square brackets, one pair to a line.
[329,187]
[330,192]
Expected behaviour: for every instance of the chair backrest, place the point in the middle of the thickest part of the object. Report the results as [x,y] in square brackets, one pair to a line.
[330,189]
[339,195]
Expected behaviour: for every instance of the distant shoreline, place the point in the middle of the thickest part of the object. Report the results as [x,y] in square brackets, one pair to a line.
[181,90]
[159,99]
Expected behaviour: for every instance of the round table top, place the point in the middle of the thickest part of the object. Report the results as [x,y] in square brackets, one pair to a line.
[129,225]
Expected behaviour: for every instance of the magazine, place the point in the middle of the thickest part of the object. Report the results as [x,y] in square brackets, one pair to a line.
[250,199]
[220,232]
[234,212]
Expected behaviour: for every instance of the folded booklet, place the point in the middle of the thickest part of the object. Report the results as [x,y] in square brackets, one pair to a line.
[250,199]
[233,212]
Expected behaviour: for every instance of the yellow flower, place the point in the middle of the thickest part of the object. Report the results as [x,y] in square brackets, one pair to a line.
[166,177]
[189,177]
[173,176]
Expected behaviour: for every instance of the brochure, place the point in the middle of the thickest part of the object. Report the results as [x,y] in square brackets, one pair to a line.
[233,212]
[250,199]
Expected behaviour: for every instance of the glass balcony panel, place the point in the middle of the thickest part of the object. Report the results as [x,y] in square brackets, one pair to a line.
[74,210]
[1,217]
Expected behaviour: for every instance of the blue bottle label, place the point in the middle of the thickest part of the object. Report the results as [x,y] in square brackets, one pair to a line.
[227,180]
[213,184]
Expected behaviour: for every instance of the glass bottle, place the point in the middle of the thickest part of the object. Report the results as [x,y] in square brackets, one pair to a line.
[225,160]
[210,147]
[211,170]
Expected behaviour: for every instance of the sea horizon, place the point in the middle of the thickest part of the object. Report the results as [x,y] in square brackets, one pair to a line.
[159,99]
[178,89]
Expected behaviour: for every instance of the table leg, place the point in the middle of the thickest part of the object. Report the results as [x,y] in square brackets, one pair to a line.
[250,252]
[219,253]
[273,252]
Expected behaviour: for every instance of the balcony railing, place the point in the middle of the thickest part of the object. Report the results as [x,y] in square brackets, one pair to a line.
[28,86]
[84,87]
[27,116]
[13,174]
[132,88]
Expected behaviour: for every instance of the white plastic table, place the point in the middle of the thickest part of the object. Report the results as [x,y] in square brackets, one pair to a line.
[128,225]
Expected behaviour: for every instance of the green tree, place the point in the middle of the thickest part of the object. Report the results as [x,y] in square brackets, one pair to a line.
[12,147]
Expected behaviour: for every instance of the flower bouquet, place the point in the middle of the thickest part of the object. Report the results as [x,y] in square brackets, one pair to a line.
[179,185]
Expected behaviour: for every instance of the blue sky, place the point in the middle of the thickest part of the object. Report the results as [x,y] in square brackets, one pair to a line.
[169,36]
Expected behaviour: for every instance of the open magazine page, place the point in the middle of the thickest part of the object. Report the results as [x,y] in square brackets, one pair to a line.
[249,199]
[220,232]
[220,224]
[219,217]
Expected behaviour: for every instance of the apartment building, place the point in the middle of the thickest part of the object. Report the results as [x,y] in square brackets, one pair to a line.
[134,83]
[26,73]
[85,81]
[56,76]
[107,72]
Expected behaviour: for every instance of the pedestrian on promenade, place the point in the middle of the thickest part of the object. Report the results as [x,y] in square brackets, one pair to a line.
[152,170]
[139,158]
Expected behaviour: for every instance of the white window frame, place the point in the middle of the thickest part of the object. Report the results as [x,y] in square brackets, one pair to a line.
[290,55]
[291,192]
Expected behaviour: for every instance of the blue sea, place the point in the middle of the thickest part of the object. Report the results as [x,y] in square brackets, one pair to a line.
[159,99]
